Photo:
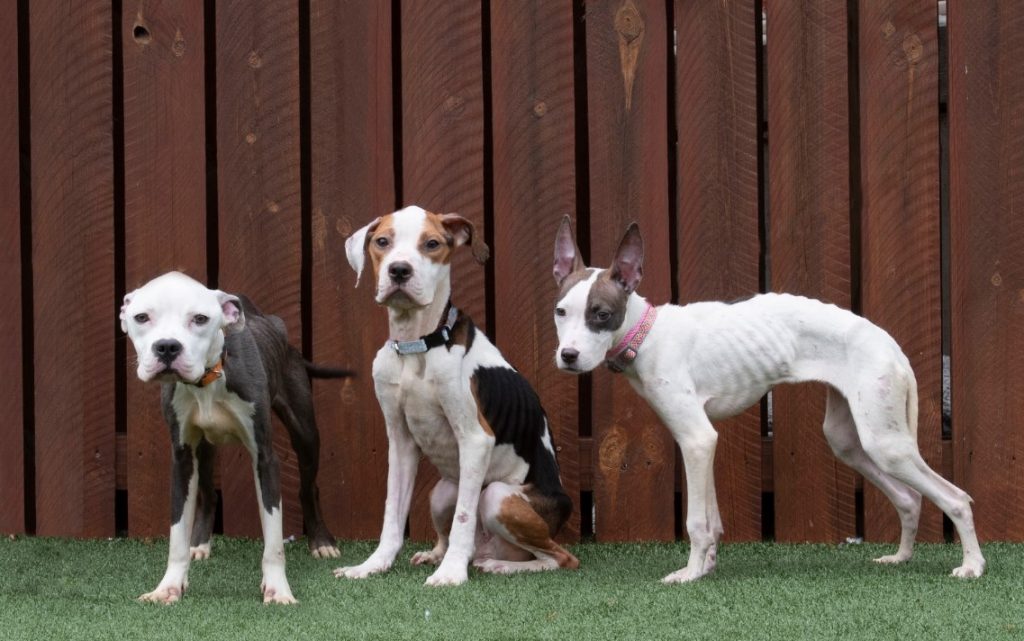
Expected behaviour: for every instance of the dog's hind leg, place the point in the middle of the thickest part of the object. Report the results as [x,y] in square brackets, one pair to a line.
[841,433]
[890,441]
[206,508]
[442,510]
[521,522]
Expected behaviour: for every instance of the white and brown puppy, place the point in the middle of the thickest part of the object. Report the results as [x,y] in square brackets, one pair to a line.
[707,361]
[446,391]
[224,366]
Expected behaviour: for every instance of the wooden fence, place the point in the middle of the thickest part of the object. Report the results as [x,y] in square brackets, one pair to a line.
[242,141]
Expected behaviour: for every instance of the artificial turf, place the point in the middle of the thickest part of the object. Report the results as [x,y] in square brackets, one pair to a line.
[59,589]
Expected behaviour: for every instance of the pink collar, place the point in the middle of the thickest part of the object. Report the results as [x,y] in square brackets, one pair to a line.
[622,355]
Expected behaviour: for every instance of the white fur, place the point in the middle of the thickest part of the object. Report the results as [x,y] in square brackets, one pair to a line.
[712,360]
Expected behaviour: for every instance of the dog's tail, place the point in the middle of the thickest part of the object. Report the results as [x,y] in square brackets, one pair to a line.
[912,407]
[324,371]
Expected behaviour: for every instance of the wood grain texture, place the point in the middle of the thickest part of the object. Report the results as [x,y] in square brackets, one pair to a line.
[75,313]
[718,245]
[353,182]
[165,210]
[259,199]
[442,149]
[809,245]
[627,81]
[986,45]
[534,186]
[12,428]
[900,279]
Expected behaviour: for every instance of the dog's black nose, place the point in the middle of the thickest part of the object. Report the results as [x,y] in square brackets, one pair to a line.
[167,350]
[400,272]
[570,355]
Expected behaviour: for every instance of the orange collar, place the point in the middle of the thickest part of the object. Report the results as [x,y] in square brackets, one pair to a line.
[211,374]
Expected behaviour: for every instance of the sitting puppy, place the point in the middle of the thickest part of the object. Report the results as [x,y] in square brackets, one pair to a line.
[707,361]
[224,366]
[446,391]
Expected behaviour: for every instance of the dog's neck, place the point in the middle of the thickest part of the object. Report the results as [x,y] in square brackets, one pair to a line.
[636,306]
[410,324]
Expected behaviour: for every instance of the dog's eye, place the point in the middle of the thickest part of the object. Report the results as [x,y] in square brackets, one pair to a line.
[200,319]
[382,241]
[432,244]
[559,311]
[603,315]
[141,318]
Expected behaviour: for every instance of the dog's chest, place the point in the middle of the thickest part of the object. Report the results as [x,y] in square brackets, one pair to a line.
[218,415]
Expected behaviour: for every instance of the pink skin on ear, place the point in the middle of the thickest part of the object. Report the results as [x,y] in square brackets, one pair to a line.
[628,267]
[567,255]
[231,308]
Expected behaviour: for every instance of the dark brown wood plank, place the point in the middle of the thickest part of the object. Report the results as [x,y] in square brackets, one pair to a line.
[353,181]
[986,45]
[442,148]
[718,247]
[165,210]
[75,312]
[534,186]
[809,245]
[900,277]
[12,428]
[259,199]
[627,103]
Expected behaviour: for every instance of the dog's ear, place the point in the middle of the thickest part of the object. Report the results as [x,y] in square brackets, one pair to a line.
[124,311]
[355,247]
[567,254]
[231,307]
[628,267]
[464,233]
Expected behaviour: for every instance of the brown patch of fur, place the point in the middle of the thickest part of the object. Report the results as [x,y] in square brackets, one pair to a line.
[531,530]
[386,228]
[479,409]
[606,294]
[463,332]
[572,279]
[435,229]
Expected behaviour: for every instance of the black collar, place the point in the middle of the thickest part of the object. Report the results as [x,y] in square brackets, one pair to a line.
[437,338]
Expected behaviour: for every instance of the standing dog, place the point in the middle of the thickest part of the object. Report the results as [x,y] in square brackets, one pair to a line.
[707,361]
[447,392]
[224,366]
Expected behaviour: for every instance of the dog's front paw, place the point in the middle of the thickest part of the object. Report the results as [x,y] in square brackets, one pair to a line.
[165,594]
[427,557]
[277,594]
[685,575]
[201,551]
[969,571]
[325,552]
[448,574]
[889,559]
[363,570]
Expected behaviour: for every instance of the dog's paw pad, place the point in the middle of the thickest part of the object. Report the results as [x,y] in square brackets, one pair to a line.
[441,579]
[890,559]
[685,575]
[967,572]
[165,596]
[325,552]
[427,557]
[199,552]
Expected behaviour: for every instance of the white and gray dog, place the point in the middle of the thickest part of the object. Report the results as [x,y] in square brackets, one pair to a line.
[711,360]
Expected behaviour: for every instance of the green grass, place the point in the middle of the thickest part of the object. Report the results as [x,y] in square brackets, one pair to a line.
[58,589]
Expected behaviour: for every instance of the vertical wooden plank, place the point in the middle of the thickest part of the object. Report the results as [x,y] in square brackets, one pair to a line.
[73,270]
[627,102]
[259,198]
[986,45]
[442,148]
[901,289]
[809,244]
[165,191]
[353,181]
[12,469]
[719,248]
[534,186]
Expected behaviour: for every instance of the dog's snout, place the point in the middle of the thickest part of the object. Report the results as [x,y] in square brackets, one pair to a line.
[167,350]
[400,272]
[570,355]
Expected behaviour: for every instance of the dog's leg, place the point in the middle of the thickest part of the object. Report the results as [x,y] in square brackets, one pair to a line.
[841,433]
[714,522]
[296,412]
[890,442]
[403,459]
[202,529]
[511,513]
[266,473]
[442,511]
[184,487]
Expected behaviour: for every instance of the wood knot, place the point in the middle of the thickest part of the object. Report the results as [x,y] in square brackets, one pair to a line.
[997,279]
[178,48]
[273,207]
[628,22]
[540,108]
[888,29]
[140,33]
[454,105]
[913,48]
[250,137]
[254,60]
